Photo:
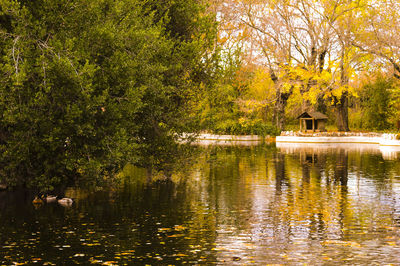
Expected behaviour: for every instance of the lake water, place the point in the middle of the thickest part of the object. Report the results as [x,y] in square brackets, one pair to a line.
[264,204]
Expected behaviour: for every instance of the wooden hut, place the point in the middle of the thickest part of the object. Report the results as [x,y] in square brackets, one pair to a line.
[312,121]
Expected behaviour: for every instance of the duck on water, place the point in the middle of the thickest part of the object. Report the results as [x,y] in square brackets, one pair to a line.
[66,202]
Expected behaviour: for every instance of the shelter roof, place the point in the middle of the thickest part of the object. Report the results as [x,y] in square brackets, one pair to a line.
[312,114]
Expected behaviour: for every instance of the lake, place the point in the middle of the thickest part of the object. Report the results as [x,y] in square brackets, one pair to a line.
[261,204]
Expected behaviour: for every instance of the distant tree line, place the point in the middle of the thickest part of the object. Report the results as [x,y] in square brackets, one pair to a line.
[327,55]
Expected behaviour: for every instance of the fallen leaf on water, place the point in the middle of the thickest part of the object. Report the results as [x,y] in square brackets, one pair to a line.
[164,229]
[110,262]
[179,228]
[180,255]
[176,235]
[91,244]
[126,253]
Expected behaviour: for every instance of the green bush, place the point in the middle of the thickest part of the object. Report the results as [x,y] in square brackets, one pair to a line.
[110,84]
[375,103]
[356,120]
[245,127]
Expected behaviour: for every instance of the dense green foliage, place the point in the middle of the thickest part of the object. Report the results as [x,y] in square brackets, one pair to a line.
[375,101]
[246,127]
[375,108]
[223,113]
[87,86]
[229,105]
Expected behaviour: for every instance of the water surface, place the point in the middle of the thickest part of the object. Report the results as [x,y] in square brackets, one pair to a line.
[263,204]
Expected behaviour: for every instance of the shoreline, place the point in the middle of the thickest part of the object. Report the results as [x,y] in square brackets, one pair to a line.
[206,136]
[228,140]
[367,138]
[293,137]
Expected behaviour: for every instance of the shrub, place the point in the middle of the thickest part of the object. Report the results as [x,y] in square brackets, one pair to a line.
[245,127]
[375,101]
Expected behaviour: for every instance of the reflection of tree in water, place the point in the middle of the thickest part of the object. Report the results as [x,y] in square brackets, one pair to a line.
[311,163]
[280,174]
[283,201]
[341,171]
[312,208]
[341,178]
[305,198]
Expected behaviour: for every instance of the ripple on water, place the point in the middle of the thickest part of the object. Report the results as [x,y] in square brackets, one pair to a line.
[248,205]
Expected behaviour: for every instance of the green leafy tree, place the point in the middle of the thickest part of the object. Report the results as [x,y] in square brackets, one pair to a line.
[375,101]
[87,86]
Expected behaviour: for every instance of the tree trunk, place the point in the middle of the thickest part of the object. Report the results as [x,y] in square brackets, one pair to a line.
[279,115]
[342,118]
[342,104]
[149,175]
[279,110]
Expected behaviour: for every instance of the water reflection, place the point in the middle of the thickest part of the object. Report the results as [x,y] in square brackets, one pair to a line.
[235,205]
[390,152]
